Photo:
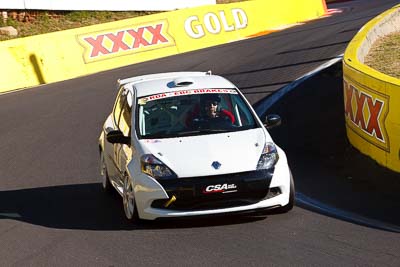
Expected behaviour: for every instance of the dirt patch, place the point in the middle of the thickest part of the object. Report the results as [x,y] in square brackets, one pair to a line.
[39,22]
[384,55]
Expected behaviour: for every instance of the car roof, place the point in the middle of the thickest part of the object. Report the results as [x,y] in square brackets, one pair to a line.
[174,81]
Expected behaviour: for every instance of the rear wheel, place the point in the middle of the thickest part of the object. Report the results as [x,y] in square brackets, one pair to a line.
[128,199]
[105,180]
[290,205]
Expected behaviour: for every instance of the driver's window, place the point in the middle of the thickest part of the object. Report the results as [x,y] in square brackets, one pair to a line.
[118,106]
[126,117]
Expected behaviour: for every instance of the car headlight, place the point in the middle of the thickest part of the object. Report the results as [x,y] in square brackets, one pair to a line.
[269,157]
[155,168]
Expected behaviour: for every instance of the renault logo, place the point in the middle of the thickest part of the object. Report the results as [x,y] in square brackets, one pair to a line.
[216,165]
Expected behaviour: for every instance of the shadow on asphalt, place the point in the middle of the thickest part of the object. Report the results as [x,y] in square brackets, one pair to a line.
[279,67]
[85,206]
[314,47]
[325,166]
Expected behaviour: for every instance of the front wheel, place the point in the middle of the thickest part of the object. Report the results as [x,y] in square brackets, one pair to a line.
[128,199]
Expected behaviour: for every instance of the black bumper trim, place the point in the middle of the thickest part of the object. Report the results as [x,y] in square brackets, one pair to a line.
[197,193]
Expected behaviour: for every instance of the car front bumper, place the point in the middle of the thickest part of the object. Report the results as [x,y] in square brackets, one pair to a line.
[255,191]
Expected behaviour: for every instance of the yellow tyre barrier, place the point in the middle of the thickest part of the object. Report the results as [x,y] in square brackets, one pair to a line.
[371,98]
[68,54]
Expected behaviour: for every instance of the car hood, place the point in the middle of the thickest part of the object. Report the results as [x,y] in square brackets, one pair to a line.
[194,156]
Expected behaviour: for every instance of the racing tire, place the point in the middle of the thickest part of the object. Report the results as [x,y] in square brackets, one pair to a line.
[290,205]
[105,179]
[128,201]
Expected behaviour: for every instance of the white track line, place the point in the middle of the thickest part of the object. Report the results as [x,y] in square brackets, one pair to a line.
[10,215]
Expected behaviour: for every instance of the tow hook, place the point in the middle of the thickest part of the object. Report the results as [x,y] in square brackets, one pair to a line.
[170,201]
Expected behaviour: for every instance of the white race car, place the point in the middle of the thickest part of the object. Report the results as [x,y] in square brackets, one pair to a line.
[189,144]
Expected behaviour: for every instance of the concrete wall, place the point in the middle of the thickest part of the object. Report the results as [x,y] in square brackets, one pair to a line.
[371,98]
[68,54]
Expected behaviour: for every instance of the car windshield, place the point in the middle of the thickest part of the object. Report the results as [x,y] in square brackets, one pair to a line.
[192,112]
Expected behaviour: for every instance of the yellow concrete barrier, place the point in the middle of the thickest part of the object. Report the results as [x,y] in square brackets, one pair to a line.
[371,98]
[68,54]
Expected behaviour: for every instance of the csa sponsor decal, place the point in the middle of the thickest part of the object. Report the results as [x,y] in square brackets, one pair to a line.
[128,40]
[220,188]
[366,111]
[213,23]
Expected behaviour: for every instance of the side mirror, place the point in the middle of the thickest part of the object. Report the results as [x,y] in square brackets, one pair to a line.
[117,137]
[272,121]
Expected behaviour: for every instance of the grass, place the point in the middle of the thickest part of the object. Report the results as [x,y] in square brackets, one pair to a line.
[384,55]
[46,22]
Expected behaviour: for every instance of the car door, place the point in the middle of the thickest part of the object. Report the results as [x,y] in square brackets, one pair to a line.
[112,149]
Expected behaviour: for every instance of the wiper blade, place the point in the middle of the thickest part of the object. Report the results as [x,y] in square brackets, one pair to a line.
[202,131]
[214,130]
[188,132]
[185,133]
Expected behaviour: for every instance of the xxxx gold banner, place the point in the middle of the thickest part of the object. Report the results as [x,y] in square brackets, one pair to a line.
[76,52]
[122,41]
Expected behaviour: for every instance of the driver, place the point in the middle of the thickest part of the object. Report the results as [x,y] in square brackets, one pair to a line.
[214,111]
[210,114]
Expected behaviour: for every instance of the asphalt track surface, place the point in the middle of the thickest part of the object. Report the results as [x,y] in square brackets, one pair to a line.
[52,211]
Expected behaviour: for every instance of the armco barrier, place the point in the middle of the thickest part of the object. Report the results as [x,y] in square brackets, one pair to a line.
[68,54]
[371,98]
